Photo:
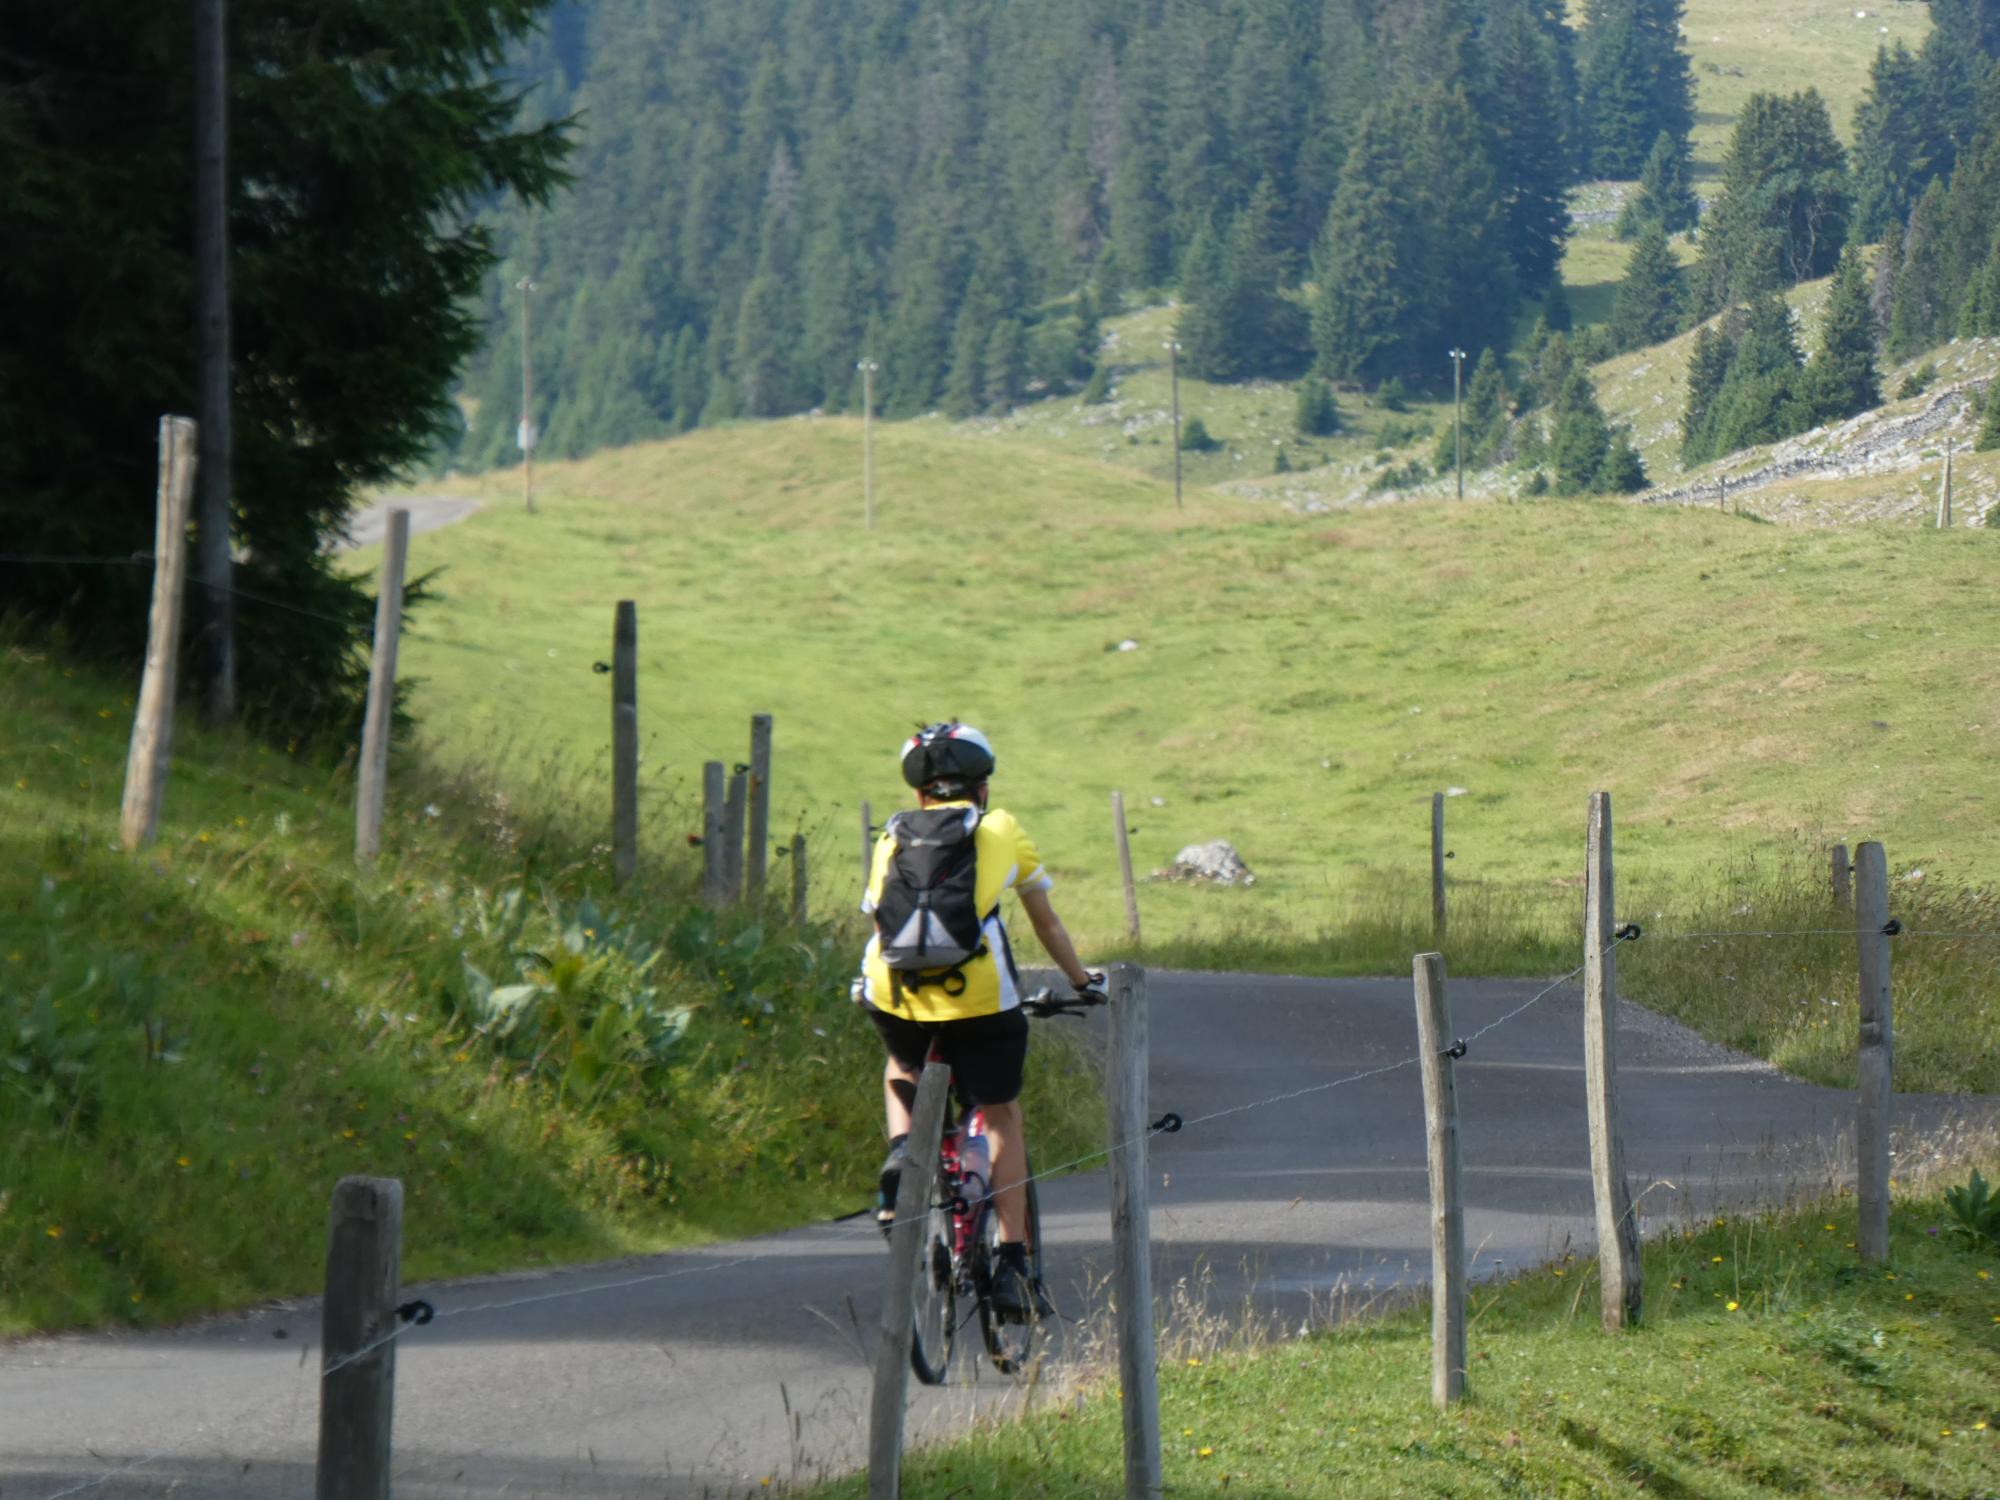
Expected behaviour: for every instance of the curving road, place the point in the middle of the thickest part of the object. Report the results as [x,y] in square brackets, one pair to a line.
[704,1373]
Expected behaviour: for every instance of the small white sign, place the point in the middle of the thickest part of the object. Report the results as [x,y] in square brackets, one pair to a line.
[524,436]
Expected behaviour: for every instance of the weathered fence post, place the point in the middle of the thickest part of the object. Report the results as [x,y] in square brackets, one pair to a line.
[1875,1096]
[357,1400]
[914,1190]
[798,879]
[732,834]
[625,743]
[1125,864]
[714,856]
[1843,879]
[1617,1223]
[381,710]
[867,844]
[1944,493]
[1131,1231]
[1437,1046]
[153,722]
[1437,867]
[757,871]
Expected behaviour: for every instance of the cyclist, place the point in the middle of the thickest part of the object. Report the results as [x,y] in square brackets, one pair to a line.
[971,1008]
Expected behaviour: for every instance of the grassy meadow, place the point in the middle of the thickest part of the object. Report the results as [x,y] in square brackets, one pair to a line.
[1768,1363]
[1297,685]
[196,1042]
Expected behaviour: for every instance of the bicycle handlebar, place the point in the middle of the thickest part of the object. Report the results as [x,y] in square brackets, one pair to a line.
[1046,1003]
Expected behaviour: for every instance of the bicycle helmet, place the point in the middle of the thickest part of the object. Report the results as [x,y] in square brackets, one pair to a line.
[947,759]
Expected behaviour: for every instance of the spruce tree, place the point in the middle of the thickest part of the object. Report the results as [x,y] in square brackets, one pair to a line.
[1582,438]
[1918,320]
[1888,266]
[1665,195]
[1634,81]
[1623,471]
[1525,99]
[1708,367]
[1842,379]
[1892,142]
[1981,318]
[1651,300]
[965,383]
[1363,297]
[1003,367]
[1782,215]
[1763,398]
[1238,322]
[1989,431]
[1485,415]
[1316,414]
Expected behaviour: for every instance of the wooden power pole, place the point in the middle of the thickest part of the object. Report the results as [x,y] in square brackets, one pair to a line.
[213,470]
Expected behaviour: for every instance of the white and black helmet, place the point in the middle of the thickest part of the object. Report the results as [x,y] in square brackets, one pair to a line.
[952,757]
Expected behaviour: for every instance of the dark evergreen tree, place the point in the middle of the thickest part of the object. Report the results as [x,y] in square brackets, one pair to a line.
[965,380]
[1888,266]
[1918,320]
[1665,196]
[1842,380]
[1708,367]
[1486,406]
[1623,471]
[1317,414]
[1524,100]
[1981,318]
[1651,301]
[1893,140]
[1238,322]
[1363,296]
[1989,431]
[1556,314]
[1634,81]
[1763,398]
[1581,439]
[1003,367]
[1973,24]
[1782,216]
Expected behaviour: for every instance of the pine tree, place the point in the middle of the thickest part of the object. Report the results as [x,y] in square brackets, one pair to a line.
[1634,81]
[1989,430]
[1763,398]
[1892,142]
[1782,215]
[1525,100]
[1651,300]
[1238,322]
[1098,391]
[1485,415]
[1842,380]
[763,376]
[1665,195]
[1918,319]
[1974,24]
[1888,266]
[1623,471]
[1982,306]
[1363,298]
[1317,414]
[1556,313]
[1708,367]
[1582,438]
[1003,366]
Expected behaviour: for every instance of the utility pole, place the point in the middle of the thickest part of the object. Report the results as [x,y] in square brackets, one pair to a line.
[211,270]
[1173,348]
[1457,415]
[867,367]
[527,434]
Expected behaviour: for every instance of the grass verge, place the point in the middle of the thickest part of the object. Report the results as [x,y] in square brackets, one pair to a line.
[1769,1363]
[197,1041]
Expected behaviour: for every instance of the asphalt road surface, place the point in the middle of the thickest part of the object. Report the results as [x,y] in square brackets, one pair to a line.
[368,525]
[705,1373]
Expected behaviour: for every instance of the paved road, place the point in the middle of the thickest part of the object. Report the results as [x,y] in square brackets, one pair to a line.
[750,1360]
[367,526]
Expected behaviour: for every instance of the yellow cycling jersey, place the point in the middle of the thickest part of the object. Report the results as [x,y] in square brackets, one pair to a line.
[1007,861]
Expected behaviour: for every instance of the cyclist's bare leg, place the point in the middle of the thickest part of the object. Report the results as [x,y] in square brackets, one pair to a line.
[899,1096]
[1009,1142]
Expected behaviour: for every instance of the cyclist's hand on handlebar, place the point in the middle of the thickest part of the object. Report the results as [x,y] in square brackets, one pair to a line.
[1092,988]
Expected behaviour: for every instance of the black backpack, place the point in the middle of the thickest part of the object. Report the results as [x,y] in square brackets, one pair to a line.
[927,917]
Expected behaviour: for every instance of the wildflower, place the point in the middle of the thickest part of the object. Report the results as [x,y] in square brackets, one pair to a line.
[1559,1270]
[55,1233]
[1192,1362]
[21,784]
[1187,1432]
[1732,1306]
[1204,1453]
[136,1297]
[1827,1227]
[1909,1296]
[1715,1260]
[1983,1275]
[182,1161]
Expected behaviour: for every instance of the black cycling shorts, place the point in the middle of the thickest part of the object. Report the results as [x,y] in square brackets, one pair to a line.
[985,1053]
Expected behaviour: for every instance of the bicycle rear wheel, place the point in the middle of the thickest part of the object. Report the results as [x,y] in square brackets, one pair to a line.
[1010,1344]
[936,1319]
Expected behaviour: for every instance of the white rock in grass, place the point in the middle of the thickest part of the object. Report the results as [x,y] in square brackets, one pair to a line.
[1454,791]
[1215,863]
[1128,645]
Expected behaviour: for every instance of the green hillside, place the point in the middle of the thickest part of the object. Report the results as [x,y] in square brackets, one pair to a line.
[1298,685]
[196,1042]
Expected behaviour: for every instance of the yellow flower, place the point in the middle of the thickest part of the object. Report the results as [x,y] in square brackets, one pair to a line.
[1827,1227]
[55,1233]
[1985,1275]
[1944,1432]
[1732,1307]
[1192,1362]
[136,1297]
[21,785]
[1909,1296]
[1979,1426]
[1715,1260]
[182,1161]
[1204,1453]
[1888,1275]
[1187,1432]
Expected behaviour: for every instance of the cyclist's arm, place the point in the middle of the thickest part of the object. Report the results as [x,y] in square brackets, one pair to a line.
[1054,937]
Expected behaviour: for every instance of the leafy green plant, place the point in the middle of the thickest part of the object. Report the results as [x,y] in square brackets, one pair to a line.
[1917,382]
[1976,1210]
[52,1041]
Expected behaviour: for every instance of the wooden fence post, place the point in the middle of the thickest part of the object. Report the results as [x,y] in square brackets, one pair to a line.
[714,856]
[867,844]
[798,879]
[1131,1231]
[357,1401]
[381,710]
[732,835]
[1617,1222]
[889,1396]
[1125,864]
[1944,493]
[625,743]
[1843,879]
[1875,1097]
[757,872]
[1436,1044]
[153,721]
[1437,867]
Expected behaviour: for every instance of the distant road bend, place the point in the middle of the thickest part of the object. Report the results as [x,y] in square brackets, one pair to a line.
[706,1372]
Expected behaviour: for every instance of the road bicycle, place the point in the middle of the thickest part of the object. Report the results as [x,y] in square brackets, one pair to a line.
[960,1238]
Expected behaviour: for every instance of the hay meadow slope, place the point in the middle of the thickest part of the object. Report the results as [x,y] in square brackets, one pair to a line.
[1296,685]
